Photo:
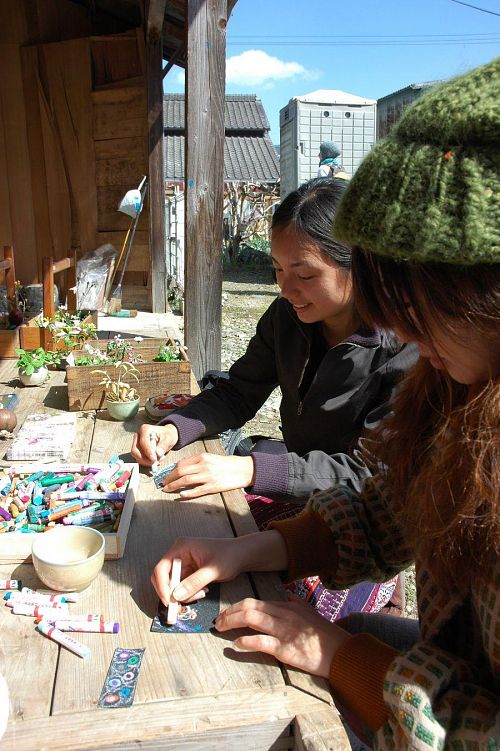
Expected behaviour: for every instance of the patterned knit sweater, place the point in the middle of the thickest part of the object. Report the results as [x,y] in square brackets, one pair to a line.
[444,692]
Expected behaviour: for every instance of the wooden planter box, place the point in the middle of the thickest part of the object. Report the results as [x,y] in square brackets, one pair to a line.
[155,378]
[31,335]
[9,341]
[16,546]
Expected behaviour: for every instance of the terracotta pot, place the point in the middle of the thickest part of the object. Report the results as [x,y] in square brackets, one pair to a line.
[122,410]
[37,378]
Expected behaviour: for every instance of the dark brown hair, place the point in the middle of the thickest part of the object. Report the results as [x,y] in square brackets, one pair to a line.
[441,446]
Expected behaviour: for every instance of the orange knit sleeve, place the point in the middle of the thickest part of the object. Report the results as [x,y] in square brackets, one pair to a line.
[310,545]
[357,676]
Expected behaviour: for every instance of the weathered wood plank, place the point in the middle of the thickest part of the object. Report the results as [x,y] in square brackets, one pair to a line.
[29,671]
[320,730]
[127,169]
[115,58]
[169,722]
[51,203]
[267,587]
[157,520]
[205,80]
[119,113]
[20,200]
[70,83]
[117,148]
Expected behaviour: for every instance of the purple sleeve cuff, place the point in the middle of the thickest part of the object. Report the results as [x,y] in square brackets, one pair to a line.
[189,430]
[271,474]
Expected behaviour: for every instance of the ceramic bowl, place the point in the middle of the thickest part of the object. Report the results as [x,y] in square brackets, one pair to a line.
[67,559]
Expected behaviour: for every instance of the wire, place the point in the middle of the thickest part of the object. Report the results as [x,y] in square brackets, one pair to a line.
[483,10]
[355,36]
[445,43]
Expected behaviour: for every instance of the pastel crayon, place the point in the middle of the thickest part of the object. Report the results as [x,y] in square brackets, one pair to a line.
[122,479]
[11,584]
[35,476]
[61,511]
[45,481]
[81,519]
[47,629]
[173,605]
[67,616]
[32,598]
[94,626]
[40,610]
[68,596]
[5,514]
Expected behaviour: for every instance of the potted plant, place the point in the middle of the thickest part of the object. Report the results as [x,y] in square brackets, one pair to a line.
[167,353]
[32,365]
[122,399]
[69,330]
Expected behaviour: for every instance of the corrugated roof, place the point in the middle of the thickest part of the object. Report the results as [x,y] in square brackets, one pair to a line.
[334,96]
[245,159]
[243,112]
[410,87]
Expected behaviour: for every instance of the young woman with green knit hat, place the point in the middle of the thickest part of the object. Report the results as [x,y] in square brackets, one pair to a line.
[422,213]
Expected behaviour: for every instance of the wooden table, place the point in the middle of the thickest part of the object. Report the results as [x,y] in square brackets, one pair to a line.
[193,691]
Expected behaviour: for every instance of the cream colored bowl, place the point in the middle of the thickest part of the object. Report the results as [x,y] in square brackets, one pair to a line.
[68,558]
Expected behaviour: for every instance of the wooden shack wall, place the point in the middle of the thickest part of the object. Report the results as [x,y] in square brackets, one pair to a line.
[73,136]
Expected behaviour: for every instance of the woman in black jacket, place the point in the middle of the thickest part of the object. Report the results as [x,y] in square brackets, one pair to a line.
[336,375]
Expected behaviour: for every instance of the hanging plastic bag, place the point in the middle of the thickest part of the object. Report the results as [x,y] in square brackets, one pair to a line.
[131,203]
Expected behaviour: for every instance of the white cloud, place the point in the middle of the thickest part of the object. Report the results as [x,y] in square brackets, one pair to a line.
[257,68]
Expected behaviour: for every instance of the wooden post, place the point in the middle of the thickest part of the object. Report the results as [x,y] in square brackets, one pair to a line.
[204,180]
[156,12]
[10,273]
[48,297]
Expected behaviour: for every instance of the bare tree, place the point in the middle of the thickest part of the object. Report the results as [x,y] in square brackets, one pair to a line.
[247,213]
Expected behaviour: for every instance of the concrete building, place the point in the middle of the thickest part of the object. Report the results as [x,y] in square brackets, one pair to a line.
[323,115]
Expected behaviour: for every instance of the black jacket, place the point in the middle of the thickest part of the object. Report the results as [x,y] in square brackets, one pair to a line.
[349,392]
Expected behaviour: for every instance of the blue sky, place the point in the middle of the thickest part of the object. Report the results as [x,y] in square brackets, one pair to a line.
[278,49]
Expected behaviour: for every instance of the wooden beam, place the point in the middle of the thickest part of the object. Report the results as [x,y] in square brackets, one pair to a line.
[204,180]
[156,14]
[154,62]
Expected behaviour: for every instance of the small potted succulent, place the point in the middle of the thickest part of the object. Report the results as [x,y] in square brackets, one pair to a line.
[122,399]
[32,365]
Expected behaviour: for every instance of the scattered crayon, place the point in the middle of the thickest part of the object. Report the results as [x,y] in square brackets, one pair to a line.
[63,639]
[100,627]
[11,584]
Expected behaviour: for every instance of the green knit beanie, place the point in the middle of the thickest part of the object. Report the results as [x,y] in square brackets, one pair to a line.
[430,191]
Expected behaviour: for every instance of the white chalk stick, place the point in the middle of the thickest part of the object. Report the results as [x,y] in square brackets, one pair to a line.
[175,578]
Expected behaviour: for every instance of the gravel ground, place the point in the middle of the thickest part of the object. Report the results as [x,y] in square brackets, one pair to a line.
[247,294]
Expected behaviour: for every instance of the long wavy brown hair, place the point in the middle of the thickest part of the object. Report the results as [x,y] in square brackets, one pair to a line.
[441,445]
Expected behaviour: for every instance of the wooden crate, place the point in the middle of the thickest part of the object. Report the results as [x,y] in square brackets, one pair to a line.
[155,378]
[15,547]
[31,335]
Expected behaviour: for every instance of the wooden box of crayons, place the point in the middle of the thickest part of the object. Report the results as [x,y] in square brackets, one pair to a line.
[84,391]
[15,547]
